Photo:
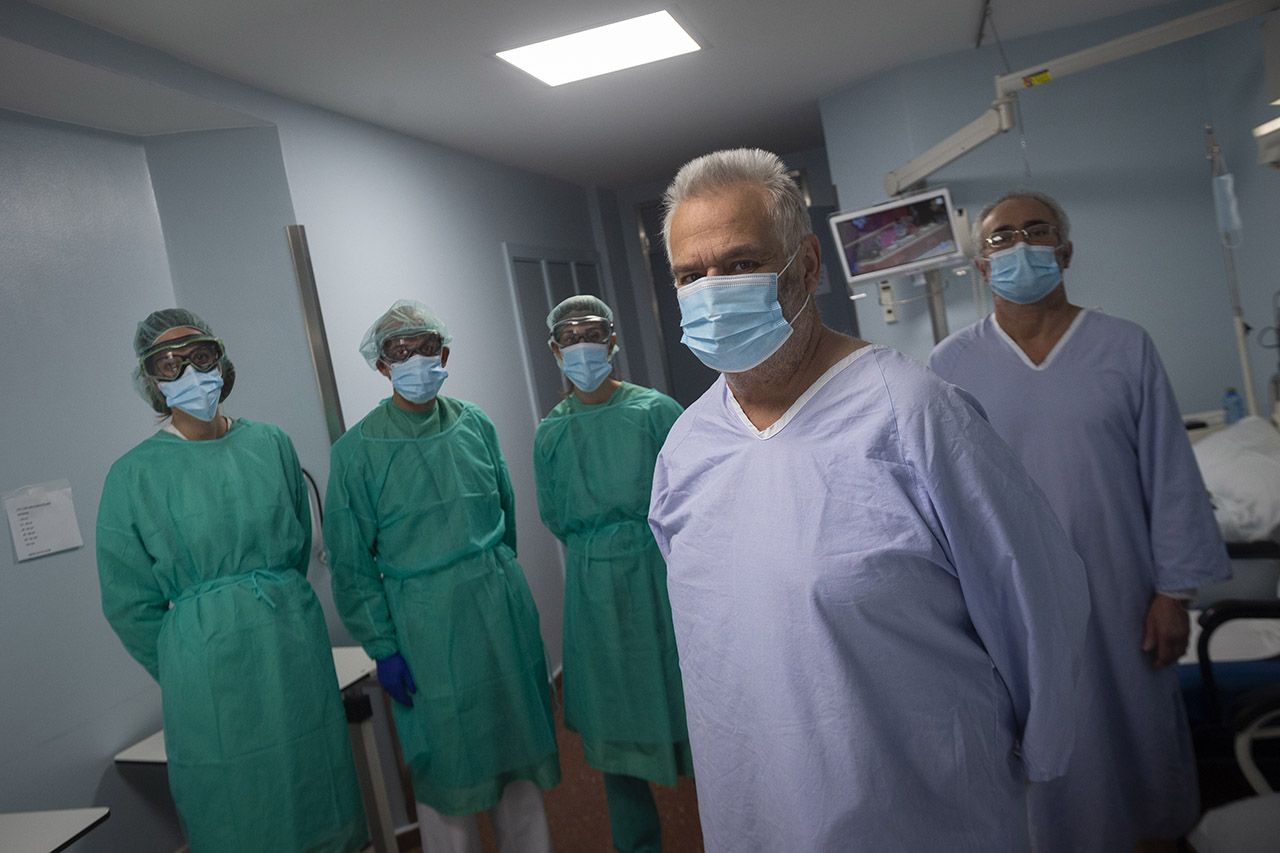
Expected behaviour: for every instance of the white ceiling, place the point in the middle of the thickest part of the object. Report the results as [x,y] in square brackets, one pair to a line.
[427,67]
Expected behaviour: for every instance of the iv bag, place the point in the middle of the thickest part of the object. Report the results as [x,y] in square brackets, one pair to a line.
[1224,201]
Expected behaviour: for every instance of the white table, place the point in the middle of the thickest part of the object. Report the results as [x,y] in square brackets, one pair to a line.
[149,750]
[352,666]
[47,832]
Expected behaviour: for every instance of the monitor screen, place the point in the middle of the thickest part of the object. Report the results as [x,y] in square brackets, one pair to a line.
[906,235]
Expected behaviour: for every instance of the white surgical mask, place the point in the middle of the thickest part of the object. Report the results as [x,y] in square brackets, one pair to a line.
[586,365]
[418,378]
[735,322]
[1025,273]
[194,392]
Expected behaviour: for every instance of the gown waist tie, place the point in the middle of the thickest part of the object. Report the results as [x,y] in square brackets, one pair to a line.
[619,538]
[492,541]
[252,579]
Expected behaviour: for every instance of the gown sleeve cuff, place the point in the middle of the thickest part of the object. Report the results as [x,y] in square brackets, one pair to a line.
[379,649]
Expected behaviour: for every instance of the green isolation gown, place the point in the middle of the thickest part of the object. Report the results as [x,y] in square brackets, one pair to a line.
[420,528]
[202,549]
[622,689]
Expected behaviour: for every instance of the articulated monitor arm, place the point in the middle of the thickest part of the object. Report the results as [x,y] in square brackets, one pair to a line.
[996,120]
[999,117]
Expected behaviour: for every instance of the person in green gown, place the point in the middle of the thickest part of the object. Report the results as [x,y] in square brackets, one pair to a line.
[203,543]
[421,532]
[593,460]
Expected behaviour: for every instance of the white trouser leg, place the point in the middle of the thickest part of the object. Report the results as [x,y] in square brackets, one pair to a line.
[519,819]
[447,833]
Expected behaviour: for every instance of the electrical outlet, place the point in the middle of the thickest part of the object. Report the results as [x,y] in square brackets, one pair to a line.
[886,302]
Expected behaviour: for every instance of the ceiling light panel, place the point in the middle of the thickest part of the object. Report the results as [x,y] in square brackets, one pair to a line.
[602,50]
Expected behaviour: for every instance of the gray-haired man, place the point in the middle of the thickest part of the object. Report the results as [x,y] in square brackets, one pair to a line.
[877,617]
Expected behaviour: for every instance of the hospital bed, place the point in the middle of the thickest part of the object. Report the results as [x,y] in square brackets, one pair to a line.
[1250,823]
[1230,674]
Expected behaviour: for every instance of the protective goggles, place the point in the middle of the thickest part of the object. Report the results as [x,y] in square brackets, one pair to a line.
[398,349]
[167,361]
[581,330]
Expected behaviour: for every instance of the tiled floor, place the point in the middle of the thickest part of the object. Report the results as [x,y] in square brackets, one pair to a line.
[579,819]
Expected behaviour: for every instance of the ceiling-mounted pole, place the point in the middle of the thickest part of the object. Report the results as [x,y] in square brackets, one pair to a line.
[1170,32]
[982,24]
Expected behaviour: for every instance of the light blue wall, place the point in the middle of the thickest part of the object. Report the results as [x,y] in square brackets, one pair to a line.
[817,172]
[1121,146]
[607,223]
[224,203]
[387,217]
[84,260]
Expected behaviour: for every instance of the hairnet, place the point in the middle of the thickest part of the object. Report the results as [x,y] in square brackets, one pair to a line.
[405,317]
[156,324]
[579,306]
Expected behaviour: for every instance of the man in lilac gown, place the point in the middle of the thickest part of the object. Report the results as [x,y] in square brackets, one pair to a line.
[1084,401]
[878,618]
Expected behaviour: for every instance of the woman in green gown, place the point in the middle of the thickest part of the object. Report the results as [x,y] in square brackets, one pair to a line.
[593,459]
[421,533]
[203,542]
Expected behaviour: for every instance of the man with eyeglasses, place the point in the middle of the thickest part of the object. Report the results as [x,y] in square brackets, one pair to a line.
[421,532]
[878,618]
[1084,401]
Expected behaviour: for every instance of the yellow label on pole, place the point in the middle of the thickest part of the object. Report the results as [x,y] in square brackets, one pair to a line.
[1037,79]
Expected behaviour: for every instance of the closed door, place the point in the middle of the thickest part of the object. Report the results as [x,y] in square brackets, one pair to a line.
[540,280]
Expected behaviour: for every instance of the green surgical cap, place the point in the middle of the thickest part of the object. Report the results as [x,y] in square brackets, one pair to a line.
[144,338]
[159,322]
[579,306]
[406,317]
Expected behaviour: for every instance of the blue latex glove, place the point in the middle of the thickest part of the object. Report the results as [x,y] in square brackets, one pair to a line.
[395,678]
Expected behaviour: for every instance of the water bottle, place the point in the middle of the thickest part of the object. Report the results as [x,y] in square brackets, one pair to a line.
[1232,406]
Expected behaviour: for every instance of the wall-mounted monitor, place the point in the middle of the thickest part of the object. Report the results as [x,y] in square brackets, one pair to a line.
[909,234]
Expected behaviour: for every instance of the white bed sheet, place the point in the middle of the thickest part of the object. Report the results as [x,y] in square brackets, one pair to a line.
[1237,640]
[1241,469]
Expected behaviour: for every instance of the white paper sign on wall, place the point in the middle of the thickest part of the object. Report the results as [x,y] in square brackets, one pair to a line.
[42,519]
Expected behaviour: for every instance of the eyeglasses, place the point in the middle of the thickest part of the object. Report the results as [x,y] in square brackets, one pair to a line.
[396,350]
[1040,234]
[582,330]
[168,362]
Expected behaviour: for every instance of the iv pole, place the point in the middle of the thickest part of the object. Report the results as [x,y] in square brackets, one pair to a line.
[1218,168]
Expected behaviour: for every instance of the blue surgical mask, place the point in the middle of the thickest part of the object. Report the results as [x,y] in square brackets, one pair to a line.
[418,378]
[586,365]
[1025,273]
[734,322]
[194,392]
